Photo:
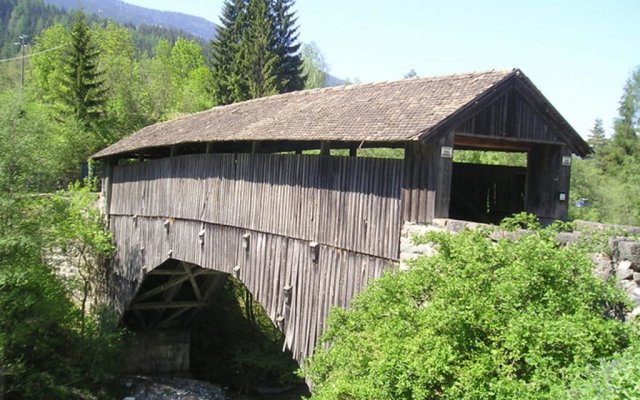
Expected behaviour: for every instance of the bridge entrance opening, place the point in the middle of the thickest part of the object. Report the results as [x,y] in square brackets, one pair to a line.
[487,186]
[206,324]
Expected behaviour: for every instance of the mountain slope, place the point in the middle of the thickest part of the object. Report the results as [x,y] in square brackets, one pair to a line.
[125,13]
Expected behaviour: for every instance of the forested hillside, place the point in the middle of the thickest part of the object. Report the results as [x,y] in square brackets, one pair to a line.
[125,13]
[31,17]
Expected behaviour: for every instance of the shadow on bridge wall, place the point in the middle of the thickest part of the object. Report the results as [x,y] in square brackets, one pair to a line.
[346,174]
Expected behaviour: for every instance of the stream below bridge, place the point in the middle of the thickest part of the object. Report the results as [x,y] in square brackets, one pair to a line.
[177,388]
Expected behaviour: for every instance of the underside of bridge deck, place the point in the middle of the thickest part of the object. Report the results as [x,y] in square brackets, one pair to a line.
[171,295]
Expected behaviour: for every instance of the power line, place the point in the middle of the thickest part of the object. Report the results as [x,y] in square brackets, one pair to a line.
[35,54]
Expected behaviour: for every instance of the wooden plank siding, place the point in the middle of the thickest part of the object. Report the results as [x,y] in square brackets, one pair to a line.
[345,202]
[198,209]
[512,116]
[270,264]
[427,180]
[546,179]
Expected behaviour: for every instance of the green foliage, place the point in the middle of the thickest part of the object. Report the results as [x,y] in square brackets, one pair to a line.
[82,85]
[314,66]
[225,52]
[289,72]
[28,17]
[610,180]
[259,62]
[490,158]
[38,152]
[255,52]
[236,343]
[597,139]
[614,379]
[77,227]
[138,90]
[480,320]
[611,199]
[49,349]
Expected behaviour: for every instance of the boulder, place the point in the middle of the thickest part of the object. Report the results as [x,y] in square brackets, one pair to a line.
[624,271]
[603,266]
[629,250]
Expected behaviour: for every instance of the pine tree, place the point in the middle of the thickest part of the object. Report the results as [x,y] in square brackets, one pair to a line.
[596,139]
[255,52]
[225,52]
[259,63]
[82,88]
[627,125]
[290,69]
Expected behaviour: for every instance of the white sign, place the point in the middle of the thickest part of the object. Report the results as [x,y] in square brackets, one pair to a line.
[566,161]
[446,152]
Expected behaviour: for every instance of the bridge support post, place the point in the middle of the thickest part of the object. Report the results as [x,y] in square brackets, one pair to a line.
[107,183]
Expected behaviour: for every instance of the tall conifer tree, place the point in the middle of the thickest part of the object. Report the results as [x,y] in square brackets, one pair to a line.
[255,52]
[627,125]
[82,89]
[225,52]
[259,63]
[290,69]
[597,139]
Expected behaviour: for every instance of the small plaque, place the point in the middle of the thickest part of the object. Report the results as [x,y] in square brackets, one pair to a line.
[562,196]
[566,161]
[446,152]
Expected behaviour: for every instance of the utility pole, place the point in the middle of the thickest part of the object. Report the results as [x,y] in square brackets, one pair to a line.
[23,45]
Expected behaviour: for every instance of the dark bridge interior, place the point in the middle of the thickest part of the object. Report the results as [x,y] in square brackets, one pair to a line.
[171,295]
[486,193]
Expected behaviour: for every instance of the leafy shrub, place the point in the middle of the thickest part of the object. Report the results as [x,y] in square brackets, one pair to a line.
[49,348]
[480,320]
[234,342]
[615,379]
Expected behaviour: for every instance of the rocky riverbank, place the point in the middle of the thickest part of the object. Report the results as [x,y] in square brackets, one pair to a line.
[174,388]
[171,388]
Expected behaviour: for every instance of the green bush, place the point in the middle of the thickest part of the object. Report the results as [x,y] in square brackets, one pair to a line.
[49,347]
[234,342]
[615,379]
[480,320]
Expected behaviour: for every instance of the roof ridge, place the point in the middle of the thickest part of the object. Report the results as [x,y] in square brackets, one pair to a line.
[359,85]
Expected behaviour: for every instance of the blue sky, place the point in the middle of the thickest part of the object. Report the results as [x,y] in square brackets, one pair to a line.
[578,52]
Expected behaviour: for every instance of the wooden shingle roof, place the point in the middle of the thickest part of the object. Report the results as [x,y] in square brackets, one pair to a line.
[406,110]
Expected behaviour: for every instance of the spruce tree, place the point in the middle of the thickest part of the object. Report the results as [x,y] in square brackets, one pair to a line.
[259,63]
[255,52]
[627,125]
[82,89]
[596,138]
[225,52]
[290,69]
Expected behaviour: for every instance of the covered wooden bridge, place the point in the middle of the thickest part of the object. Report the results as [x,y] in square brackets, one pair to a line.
[235,190]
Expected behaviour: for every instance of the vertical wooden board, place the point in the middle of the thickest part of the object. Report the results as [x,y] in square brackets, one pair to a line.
[292,265]
[443,190]
[303,319]
[417,180]
[261,267]
[275,284]
[288,281]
